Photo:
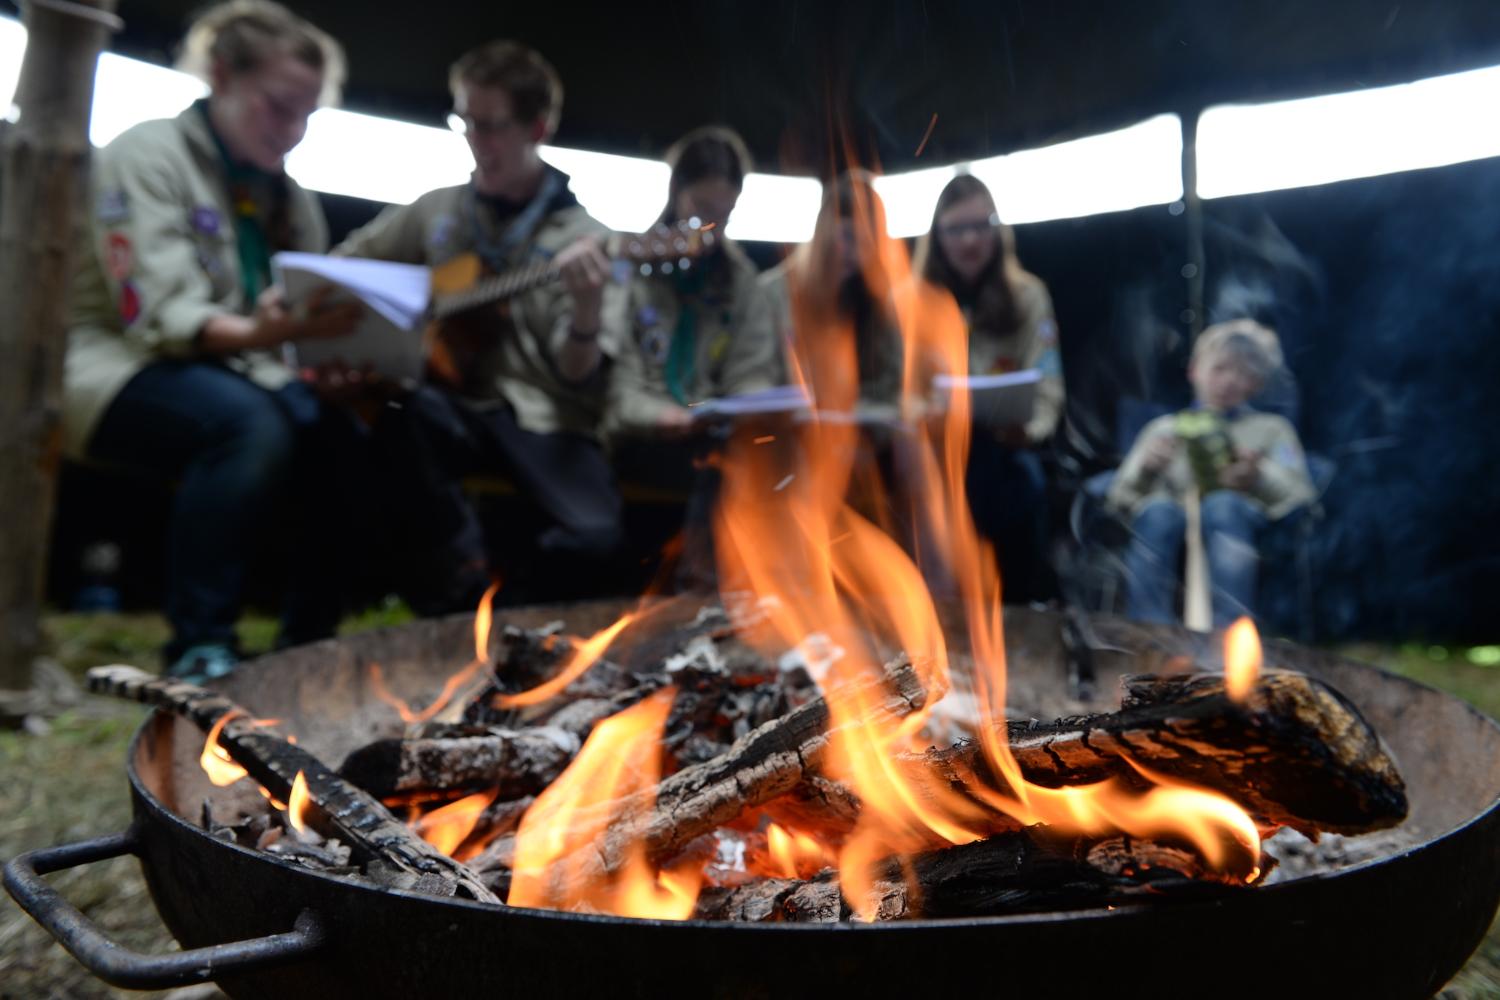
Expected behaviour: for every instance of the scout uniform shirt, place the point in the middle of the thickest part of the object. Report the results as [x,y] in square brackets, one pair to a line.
[517,365]
[696,334]
[878,345]
[1283,483]
[1032,344]
[162,255]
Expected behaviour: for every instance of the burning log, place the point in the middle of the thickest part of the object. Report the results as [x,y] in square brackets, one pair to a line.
[515,762]
[275,763]
[1010,872]
[769,762]
[1295,752]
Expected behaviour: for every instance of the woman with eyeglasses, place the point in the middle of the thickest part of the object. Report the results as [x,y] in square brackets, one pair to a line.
[174,364]
[969,252]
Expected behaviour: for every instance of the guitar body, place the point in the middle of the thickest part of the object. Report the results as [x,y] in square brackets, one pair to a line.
[470,303]
[456,342]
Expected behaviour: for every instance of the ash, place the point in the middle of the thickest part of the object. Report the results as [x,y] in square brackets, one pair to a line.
[1298,857]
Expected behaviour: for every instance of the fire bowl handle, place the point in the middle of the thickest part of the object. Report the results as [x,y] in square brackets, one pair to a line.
[128,969]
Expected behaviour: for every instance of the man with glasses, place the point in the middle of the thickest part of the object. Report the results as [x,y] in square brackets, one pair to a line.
[525,378]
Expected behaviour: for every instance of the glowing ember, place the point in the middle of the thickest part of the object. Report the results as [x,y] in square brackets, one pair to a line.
[585,653]
[299,804]
[620,758]
[1242,659]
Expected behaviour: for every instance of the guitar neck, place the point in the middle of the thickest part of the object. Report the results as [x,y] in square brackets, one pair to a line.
[496,288]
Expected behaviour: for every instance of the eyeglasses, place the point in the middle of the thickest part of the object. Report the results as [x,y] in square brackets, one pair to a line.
[467,124]
[957,230]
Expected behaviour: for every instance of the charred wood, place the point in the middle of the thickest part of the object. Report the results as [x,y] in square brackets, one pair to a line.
[357,817]
[1295,752]
[516,762]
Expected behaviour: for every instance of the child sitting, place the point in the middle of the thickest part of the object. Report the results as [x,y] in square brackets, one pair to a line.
[1248,467]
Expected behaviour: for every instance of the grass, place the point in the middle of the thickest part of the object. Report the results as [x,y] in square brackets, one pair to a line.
[70,785]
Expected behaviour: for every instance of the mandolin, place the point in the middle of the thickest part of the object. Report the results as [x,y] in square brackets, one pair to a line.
[464,318]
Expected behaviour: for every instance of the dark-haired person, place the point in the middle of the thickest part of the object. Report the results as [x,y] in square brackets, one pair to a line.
[525,392]
[172,365]
[972,254]
[697,333]
[834,294]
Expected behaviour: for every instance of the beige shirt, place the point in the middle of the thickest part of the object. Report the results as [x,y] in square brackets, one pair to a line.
[1033,344]
[520,369]
[1282,486]
[735,345]
[160,258]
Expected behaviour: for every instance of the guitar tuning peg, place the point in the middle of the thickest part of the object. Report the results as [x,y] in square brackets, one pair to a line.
[666,267]
[681,244]
[695,223]
[645,270]
[684,264]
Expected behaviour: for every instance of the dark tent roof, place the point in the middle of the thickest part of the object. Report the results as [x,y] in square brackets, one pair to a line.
[999,75]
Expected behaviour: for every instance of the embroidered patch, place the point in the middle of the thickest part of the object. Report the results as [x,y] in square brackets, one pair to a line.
[1046,332]
[119,256]
[205,220]
[655,344]
[130,303]
[1050,362]
[113,207]
[647,316]
[718,347]
[441,233]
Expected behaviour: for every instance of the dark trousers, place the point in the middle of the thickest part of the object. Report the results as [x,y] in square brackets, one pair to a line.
[684,467]
[237,452]
[1008,498]
[436,439]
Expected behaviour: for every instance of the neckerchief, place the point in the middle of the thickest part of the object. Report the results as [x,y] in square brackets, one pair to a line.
[496,252]
[251,190]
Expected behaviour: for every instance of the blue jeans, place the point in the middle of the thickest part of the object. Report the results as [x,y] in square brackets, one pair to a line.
[237,451]
[1231,525]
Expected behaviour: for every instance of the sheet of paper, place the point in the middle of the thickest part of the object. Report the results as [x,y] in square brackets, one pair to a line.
[1004,400]
[388,338]
[777,399]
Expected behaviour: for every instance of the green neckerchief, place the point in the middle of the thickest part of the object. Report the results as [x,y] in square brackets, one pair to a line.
[682,356]
[246,182]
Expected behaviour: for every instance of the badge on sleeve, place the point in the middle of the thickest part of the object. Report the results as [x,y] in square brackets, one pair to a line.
[1046,332]
[119,256]
[655,344]
[113,207]
[441,233]
[718,348]
[130,303]
[206,220]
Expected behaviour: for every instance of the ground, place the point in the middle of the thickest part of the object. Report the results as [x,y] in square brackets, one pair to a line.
[69,784]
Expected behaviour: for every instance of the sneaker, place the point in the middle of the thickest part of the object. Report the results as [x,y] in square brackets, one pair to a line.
[204,663]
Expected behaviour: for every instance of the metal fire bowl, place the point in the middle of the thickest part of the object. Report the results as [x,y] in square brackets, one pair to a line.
[1396,926]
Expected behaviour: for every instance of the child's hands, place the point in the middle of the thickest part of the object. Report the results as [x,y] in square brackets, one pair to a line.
[1243,472]
[1159,452]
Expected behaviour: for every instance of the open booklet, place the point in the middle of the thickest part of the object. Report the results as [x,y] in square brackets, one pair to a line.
[1006,400]
[388,338]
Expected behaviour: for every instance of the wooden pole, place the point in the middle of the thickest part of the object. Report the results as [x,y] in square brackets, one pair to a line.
[41,193]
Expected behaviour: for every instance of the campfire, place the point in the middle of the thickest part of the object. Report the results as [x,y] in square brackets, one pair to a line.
[835,738]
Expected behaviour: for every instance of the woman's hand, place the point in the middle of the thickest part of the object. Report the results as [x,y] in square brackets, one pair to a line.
[277,324]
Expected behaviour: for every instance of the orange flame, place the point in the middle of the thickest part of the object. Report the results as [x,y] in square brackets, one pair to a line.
[795,854]
[585,654]
[215,760]
[807,523]
[620,758]
[483,617]
[298,804]
[447,827]
[1242,659]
